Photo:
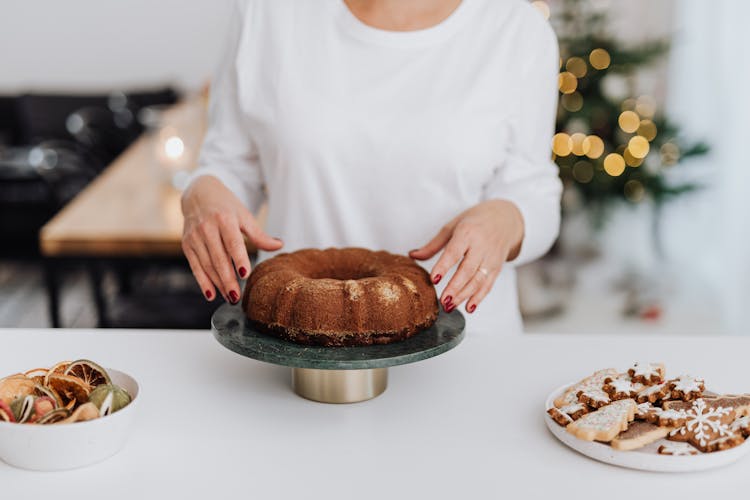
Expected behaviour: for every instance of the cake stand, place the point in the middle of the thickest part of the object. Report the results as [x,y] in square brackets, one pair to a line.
[335,374]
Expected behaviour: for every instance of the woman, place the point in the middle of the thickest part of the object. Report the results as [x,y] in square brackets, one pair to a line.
[385,124]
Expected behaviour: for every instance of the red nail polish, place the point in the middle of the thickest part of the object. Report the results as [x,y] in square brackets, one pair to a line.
[472,308]
[233,297]
[243,272]
[437,279]
[209,294]
[448,300]
[450,308]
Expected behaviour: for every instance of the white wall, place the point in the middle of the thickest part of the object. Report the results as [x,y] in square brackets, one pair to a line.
[104,44]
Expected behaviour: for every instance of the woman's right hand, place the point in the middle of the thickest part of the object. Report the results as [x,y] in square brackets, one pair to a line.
[212,237]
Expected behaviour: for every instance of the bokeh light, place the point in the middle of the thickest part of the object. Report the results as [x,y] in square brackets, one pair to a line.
[567,82]
[593,147]
[647,129]
[572,102]
[634,191]
[631,160]
[645,106]
[629,121]
[599,59]
[583,172]
[670,153]
[614,164]
[638,146]
[577,144]
[577,66]
[562,144]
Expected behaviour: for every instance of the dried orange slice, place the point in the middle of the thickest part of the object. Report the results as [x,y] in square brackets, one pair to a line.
[15,386]
[44,391]
[37,375]
[70,388]
[57,368]
[6,415]
[88,371]
[54,416]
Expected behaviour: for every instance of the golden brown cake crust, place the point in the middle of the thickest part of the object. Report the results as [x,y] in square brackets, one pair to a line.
[340,297]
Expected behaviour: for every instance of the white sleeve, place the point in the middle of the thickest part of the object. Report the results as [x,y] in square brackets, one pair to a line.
[228,152]
[528,177]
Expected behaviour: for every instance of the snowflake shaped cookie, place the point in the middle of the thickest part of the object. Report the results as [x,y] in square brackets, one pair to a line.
[686,387]
[621,388]
[703,425]
[647,373]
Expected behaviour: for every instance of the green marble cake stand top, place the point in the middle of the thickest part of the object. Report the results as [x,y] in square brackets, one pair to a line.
[231,329]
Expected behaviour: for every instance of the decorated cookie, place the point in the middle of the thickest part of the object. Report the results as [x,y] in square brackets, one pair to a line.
[686,388]
[671,418]
[647,373]
[638,435]
[740,403]
[594,381]
[567,414]
[741,426]
[677,449]
[594,398]
[725,443]
[704,424]
[652,393]
[605,423]
[620,388]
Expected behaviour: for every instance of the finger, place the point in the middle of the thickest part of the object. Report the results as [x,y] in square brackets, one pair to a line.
[257,236]
[466,272]
[435,244]
[227,279]
[452,254]
[204,259]
[478,296]
[234,244]
[200,276]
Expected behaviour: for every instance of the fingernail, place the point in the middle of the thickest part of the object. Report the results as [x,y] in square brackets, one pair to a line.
[414,250]
[450,308]
[209,294]
[278,239]
[243,272]
[233,297]
[471,308]
[437,279]
[447,301]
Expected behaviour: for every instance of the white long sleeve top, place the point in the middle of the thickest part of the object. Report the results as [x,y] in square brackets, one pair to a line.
[357,136]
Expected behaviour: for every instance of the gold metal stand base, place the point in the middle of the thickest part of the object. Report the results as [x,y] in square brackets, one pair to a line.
[339,386]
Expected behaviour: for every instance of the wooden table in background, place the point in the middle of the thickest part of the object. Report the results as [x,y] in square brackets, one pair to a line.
[130,211]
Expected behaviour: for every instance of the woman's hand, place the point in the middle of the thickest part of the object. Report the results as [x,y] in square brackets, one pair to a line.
[212,237]
[482,238]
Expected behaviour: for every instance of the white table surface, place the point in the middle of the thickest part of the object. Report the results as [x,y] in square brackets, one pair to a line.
[464,425]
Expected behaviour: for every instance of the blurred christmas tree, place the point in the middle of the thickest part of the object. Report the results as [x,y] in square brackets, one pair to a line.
[611,149]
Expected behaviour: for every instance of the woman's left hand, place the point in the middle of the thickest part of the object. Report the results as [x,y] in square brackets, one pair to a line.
[482,239]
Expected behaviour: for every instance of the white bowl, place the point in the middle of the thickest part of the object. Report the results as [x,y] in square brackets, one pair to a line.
[69,446]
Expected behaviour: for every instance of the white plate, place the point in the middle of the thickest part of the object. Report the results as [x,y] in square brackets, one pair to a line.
[646,458]
[69,446]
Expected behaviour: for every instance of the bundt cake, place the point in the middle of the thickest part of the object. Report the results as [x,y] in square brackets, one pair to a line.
[340,297]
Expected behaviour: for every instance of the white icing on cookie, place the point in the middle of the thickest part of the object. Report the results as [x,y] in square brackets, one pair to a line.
[641,369]
[686,384]
[596,395]
[742,423]
[572,408]
[654,389]
[704,423]
[605,417]
[677,449]
[592,382]
[622,385]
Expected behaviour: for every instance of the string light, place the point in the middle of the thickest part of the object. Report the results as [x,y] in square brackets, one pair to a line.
[599,59]
[577,144]
[629,121]
[628,104]
[614,164]
[647,129]
[567,82]
[562,144]
[593,147]
[638,146]
[583,172]
[577,66]
[572,102]
[542,7]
